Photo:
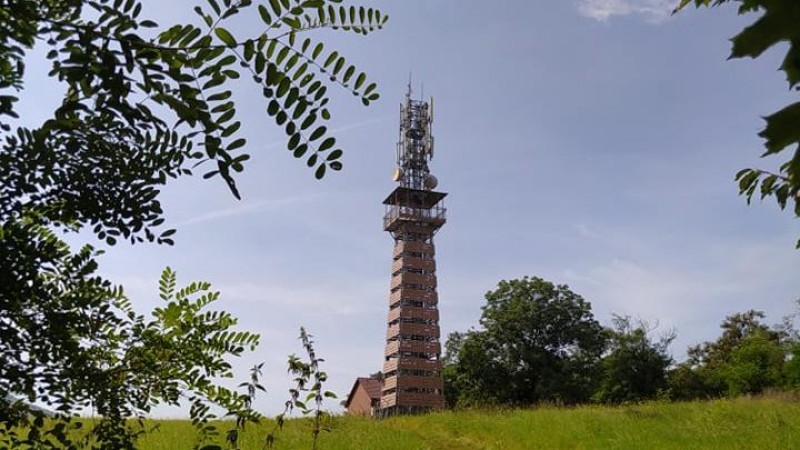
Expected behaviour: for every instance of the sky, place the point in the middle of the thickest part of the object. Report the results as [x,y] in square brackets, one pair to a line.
[588,142]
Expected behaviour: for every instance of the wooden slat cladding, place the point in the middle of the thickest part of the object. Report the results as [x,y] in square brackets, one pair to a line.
[425,248]
[394,347]
[411,364]
[426,265]
[414,313]
[411,399]
[429,297]
[405,280]
[388,401]
[416,329]
[419,329]
[412,382]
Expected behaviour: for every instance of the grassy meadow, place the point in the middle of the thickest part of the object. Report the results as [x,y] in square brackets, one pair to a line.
[758,423]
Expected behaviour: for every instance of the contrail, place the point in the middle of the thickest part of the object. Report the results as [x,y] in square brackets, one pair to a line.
[271,203]
[335,130]
[247,208]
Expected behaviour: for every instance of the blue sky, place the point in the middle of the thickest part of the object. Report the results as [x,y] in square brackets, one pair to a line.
[589,142]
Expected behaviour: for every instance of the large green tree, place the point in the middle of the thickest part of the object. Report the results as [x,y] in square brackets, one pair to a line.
[539,342]
[779,23]
[635,366]
[142,104]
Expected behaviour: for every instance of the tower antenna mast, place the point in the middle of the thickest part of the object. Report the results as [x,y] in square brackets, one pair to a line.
[412,368]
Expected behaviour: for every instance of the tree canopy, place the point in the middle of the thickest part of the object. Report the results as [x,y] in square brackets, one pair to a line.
[747,358]
[635,366]
[143,104]
[538,342]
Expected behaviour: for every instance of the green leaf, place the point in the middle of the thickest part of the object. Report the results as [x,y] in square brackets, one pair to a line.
[334,155]
[779,23]
[300,150]
[294,141]
[320,172]
[224,95]
[791,64]
[783,129]
[215,6]
[308,121]
[318,133]
[348,74]
[747,182]
[338,66]
[362,77]
[264,13]
[291,22]
[281,55]
[331,58]
[317,50]
[225,36]
[327,144]
[238,143]
[249,50]
[276,7]
[283,87]
[273,107]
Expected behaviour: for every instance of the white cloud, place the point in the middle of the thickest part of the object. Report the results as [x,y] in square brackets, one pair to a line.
[697,292]
[586,231]
[652,10]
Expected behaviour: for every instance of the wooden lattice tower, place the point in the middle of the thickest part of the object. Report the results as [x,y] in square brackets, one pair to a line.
[412,370]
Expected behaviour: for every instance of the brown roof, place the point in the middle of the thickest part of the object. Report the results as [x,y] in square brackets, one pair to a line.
[371,385]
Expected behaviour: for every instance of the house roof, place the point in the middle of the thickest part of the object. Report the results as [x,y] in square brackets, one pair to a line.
[371,386]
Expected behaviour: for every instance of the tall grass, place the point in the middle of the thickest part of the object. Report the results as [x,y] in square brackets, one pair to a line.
[760,423]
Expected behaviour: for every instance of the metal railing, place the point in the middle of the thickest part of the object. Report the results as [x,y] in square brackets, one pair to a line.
[394,212]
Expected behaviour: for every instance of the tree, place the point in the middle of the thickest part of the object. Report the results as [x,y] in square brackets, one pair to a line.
[472,376]
[635,367]
[735,329]
[746,358]
[792,367]
[140,107]
[539,342]
[126,364]
[780,22]
[756,364]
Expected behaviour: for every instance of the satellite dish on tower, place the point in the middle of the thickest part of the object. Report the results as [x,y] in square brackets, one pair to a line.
[431,182]
[397,174]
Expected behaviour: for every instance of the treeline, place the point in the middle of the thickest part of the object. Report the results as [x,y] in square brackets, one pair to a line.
[539,342]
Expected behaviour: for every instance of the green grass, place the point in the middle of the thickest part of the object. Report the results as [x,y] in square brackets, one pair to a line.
[763,423]
[759,423]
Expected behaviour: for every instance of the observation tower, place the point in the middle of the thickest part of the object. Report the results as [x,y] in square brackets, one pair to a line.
[412,369]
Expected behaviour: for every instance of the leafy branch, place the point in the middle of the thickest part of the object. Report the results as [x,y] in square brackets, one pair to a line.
[308,388]
[779,22]
[182,71]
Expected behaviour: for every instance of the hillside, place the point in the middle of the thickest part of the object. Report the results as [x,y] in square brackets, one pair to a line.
[763,423]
